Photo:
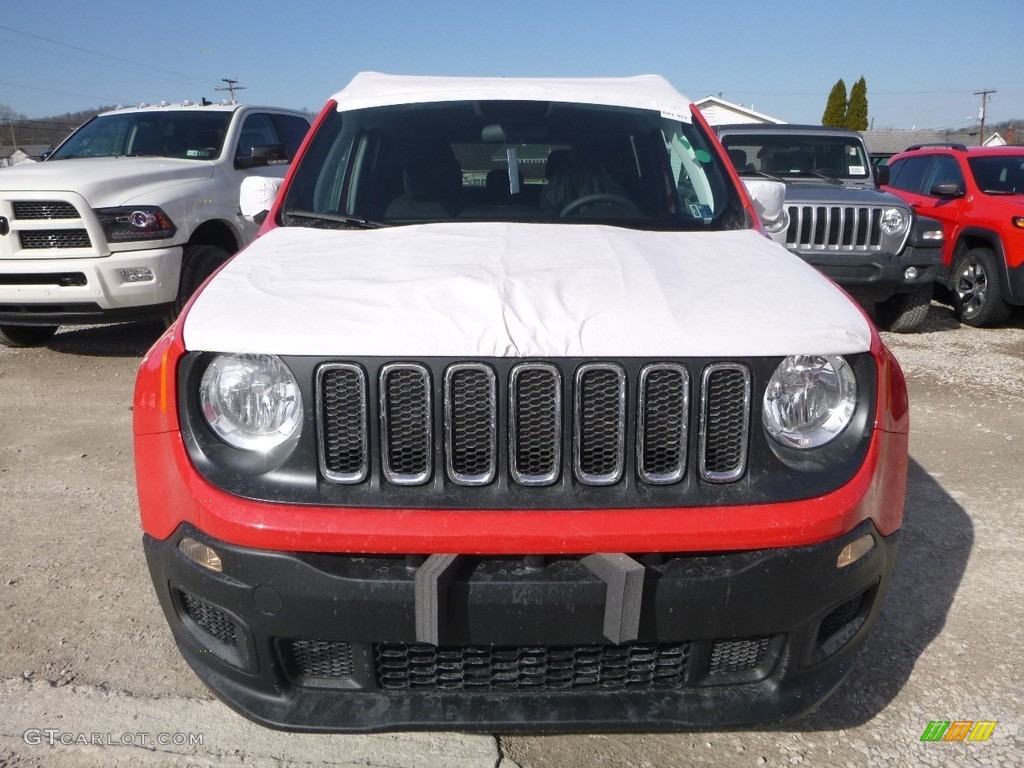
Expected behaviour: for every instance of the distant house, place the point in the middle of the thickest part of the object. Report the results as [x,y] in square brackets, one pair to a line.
[718,111]
[884,144]
[26,153]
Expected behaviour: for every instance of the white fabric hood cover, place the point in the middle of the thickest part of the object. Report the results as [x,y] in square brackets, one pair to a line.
[521,290]
[373,89]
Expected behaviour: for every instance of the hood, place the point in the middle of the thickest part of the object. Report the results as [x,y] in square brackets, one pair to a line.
[823,192]
[105,181]
[521,290]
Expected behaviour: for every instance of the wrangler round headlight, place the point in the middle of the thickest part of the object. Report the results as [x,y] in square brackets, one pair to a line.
[251,401]
[809,400]
[895,221]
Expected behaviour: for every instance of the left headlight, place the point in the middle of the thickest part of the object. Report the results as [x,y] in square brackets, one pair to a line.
[809,400]
[895,221]
[252,402]
[135,222]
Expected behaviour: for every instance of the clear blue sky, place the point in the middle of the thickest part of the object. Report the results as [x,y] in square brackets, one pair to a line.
[922,59]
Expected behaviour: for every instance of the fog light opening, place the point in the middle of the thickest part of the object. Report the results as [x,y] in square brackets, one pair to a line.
[200,554]
[137,275]
[855,550]
[911,273]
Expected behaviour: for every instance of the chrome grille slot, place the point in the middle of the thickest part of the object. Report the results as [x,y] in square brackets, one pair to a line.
[406,416]
[343,428]
[599,423]
[724,422]
[662,423]
[535,394]
[471,423]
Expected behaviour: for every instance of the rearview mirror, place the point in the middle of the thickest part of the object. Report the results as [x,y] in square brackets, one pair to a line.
[256,197]
[263,154]
[769,198]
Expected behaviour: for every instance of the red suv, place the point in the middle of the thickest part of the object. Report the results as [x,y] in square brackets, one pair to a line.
[978,195]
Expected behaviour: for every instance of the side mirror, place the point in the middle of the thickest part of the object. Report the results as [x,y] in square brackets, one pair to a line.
[256,197]
[948,190]
[882,175]
[769,198]
[264,154]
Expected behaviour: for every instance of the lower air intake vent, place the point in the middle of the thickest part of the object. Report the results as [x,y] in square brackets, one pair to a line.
[485,668]
[211,620]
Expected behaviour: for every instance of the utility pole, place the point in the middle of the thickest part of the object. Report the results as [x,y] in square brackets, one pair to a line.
[231,87]
[981,112]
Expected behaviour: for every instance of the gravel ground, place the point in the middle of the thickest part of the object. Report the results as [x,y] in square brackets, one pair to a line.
[85,649]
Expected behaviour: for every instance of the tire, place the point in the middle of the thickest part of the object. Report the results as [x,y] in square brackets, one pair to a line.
[904,312]
[26,335]
[198,262]
[978,289]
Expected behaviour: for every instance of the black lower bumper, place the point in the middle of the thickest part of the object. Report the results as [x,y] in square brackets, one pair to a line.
[77,314]
[877,276]
[314,642]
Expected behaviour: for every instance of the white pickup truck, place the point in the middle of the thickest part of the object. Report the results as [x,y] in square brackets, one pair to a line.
[131,213]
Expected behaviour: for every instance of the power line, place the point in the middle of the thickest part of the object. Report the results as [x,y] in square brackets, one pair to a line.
[191,78]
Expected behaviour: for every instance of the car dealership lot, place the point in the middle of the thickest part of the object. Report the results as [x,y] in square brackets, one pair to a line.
[89,674]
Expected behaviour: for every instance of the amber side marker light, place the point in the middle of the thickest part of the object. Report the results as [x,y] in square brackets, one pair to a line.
[1018,221]
[200,554]
[855,550]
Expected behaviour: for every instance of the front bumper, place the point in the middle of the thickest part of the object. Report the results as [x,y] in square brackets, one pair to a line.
[877,276]
[345,643]
[87,290]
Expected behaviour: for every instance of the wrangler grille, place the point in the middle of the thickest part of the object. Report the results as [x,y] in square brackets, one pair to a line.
[834,228]
[598,416]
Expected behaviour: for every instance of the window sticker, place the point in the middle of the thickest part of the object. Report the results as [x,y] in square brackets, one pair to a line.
[857,170]
[701,211]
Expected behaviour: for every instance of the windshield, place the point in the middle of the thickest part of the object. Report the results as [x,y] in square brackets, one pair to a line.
[188,135]
[998,174]
[510,161]
[795,154]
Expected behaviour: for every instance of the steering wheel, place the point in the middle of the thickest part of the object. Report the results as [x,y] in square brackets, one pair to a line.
[598,197]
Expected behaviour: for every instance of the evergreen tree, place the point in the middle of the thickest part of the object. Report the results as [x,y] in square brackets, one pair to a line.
[835,108]
[857,109]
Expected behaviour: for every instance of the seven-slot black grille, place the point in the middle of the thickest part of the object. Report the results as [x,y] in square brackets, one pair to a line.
[44,209]
[589,413]
[834,228]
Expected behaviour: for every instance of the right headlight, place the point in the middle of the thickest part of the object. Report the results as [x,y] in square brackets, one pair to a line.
[250,401]
[809,400]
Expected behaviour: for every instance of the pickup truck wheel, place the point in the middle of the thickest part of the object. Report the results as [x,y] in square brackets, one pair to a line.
[197,263]
[26,335]
[904,312]
[977,289]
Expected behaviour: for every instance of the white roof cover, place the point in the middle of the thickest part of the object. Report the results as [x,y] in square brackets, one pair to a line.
[521,290]
[372,89]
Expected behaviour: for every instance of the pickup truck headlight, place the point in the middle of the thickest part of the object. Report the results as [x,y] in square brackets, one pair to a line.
[135,222]
[809,400]
[251,401]
[895,221]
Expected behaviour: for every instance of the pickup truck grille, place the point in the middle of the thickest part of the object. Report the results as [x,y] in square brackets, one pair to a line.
[585,418]
[44,209]
[834,228]
[54,238]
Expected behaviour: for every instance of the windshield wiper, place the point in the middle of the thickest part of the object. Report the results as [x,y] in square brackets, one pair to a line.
[329,220]
[762,174]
